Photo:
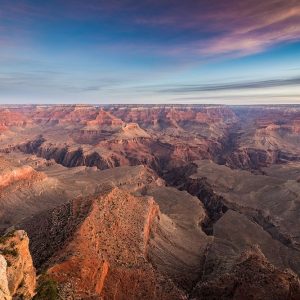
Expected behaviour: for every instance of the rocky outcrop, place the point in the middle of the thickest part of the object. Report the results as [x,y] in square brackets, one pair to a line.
[130,131]
[106,253]
[249,159]
[17,180]
[266,136]
[12,117]
[252,276]
[4,290]
[69,204]
[253,159]
[105,118]
[17,270]
[10,177]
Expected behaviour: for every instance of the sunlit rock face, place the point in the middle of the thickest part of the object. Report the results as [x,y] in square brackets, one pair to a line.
[18,275]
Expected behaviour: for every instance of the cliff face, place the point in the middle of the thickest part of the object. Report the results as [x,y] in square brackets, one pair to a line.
[105,118]
[13,174]
[177,243]
[265,137]
[18,174]
[18,276]
[251,277]
[4,290]
[106,255]
[11,118]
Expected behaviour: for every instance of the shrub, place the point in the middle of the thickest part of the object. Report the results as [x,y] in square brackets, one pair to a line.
[46,289]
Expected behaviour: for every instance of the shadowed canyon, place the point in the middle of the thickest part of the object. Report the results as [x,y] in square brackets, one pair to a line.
[150,202]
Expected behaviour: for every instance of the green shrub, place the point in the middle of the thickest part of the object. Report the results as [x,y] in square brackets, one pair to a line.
[46,289]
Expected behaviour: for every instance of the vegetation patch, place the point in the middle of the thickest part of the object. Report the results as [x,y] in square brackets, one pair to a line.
[47,289]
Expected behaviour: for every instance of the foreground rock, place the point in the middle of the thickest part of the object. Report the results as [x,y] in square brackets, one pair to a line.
[17,274]
[107,254]
[4,290]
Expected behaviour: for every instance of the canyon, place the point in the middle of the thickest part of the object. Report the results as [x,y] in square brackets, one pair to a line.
[149,202]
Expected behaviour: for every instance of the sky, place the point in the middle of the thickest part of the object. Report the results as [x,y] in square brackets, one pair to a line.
[150,51]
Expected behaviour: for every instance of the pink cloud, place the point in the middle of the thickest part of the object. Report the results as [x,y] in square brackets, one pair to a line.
[240,27]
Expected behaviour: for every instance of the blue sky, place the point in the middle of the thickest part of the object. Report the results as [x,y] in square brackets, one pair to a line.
[167,51]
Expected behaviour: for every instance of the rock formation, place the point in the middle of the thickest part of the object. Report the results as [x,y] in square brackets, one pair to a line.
[18,275]
[107,253]
[4,290]
[251,277]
